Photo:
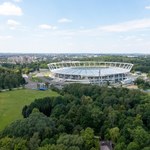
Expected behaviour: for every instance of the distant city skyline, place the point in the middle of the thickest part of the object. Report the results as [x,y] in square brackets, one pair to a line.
[75,26]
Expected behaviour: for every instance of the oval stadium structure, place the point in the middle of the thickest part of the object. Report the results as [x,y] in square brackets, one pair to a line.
[90,71]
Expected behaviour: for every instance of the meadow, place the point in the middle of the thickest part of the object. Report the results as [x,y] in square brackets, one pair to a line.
[12,102]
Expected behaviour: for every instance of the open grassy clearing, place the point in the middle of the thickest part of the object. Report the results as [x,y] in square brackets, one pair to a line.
[12,102]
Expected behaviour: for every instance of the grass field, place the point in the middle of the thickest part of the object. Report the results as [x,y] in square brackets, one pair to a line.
[12,102]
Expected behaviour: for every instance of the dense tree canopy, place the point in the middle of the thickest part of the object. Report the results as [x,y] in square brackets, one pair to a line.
[83,115]
[10,79]
[142,84]
[24,68]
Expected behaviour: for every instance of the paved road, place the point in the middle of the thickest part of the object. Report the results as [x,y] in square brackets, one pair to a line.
[30,84]
[33,85]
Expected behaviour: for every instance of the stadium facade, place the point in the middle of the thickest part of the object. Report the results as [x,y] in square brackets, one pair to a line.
[90,72]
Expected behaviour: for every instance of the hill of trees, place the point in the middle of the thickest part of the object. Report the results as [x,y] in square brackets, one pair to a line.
[10,79]
[80,117]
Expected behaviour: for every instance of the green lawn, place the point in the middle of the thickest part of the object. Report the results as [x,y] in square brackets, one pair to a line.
[12,102]
[36,79]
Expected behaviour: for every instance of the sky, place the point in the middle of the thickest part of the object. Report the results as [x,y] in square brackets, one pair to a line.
[75,26]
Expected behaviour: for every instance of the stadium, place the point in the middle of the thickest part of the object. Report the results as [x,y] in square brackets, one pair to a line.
[90,72]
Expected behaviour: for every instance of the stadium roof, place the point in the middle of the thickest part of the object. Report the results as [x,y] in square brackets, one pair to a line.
[90,71]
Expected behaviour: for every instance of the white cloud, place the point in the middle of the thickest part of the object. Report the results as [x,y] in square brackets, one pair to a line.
[127,26]
[147,7]
[8,8]
[64,20]
[5,37]
[47,27]
[17,1]
[130,37]
[13,24]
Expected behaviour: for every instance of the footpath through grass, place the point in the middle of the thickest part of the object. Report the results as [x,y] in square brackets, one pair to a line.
[12,102]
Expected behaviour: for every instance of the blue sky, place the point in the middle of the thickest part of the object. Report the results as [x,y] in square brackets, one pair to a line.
[75,26]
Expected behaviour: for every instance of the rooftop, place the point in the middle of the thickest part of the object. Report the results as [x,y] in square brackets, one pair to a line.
[90,71]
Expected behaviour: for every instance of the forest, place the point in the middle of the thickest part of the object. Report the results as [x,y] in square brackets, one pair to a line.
[79,118]
[10,79]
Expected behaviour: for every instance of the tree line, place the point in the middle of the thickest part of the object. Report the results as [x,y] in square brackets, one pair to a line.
[23,68]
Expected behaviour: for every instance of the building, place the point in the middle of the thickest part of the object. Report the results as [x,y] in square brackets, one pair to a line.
[90,72]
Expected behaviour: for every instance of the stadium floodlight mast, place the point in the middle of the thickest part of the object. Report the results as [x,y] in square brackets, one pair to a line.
[99,76]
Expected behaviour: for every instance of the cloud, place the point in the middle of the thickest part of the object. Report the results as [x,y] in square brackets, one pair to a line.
[147,7]
[127,26]
[9,9]
[64,20]
[17,1]
[12,23]
[47,27]
[130,37]
[5,37]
